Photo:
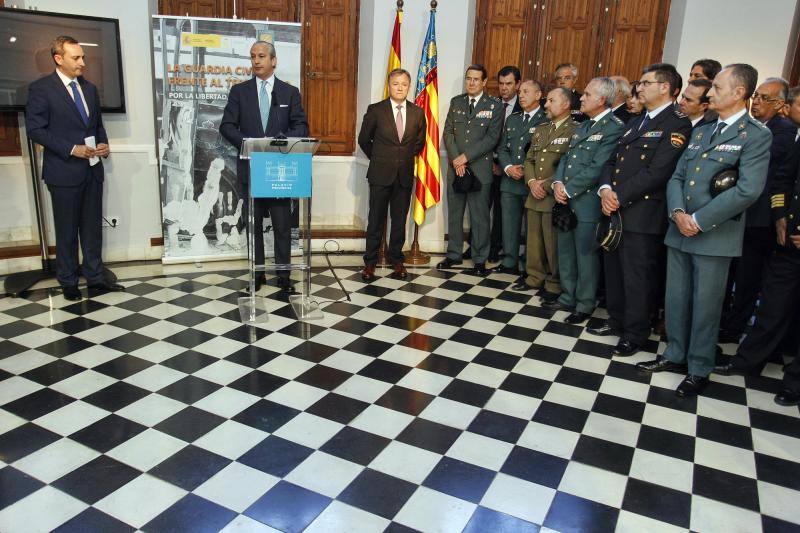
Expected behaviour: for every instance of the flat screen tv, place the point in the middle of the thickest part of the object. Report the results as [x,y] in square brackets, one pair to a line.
[25,37]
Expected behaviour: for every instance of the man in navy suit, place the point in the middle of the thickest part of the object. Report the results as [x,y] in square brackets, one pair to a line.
[63,115]
[392,134]
[265,106]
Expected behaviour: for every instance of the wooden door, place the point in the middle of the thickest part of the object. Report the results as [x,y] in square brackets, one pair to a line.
[330,48]
[633,36]
[9,135]
[503,29]
[194,8]
[275,10]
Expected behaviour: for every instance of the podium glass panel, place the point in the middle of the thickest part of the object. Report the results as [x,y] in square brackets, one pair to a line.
[279,169]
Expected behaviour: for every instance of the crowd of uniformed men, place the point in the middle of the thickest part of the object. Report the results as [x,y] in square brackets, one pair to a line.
[677,206]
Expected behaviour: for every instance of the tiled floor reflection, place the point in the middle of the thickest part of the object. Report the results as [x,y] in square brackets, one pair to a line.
[443,403]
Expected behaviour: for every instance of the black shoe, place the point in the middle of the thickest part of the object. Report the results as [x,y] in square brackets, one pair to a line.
[555,305]
[625,348]
[72,293]
[284,282]
[502,269]
[660,364]
[726,337]
[478,270]
[261,279]
[787,397]
[104,286]
[548,297]
[467,254]
[540,292]
[447,263]
[603,330]
[730,369]
[522,286]
[577,318]
[494,256]
[691,386]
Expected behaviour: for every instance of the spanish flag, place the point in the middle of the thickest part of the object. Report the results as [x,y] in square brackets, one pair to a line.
[428,170]
[394,52]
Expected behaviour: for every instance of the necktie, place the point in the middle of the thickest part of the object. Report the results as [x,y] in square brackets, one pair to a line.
[471,105]
[526,120]
[645,120]
[79,102]
[592,123]
[399,123]
[505,114]
[264,98]
[720,126]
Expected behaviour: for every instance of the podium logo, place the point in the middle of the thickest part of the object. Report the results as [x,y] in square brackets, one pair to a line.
[281,176]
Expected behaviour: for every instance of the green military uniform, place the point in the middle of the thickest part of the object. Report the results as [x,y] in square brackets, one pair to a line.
[511,151]
[474,134]
[697,267]
[548,143]
[579,170]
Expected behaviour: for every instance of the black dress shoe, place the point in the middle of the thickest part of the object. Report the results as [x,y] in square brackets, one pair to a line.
[660,364]
[540,292]
[577,318]
[448,263]
[494,256]
[261,279]
[625,348]
[555,305]
[502,269]
[730,369]
[72,293]
[104,286]
[522,286]
[478,270]
[691,386]
[603,330]
[787,397]
[549,297]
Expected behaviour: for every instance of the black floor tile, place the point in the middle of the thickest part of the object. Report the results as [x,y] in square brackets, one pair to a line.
[189,361]
[107,433]
[657,502]
[725,487]
[266,415]
[367,346]
[429,435]
[53,372]
[323,377]
[462,480]
[525,385]
[536,467]
[123,366]
[442,365]
[724,432]
[191,513]
[615,406]
[96,479]
[355,445]
[496,359]
[93,520]
[603,454]
[189,338]
[666,442]
[129,342]
[275,456]
[189,389]
[116,396]
[64,347]
[418,341]
[579,378]
[252,356]
[190,467]
[385,371]
[287,507]
[258,383]
[467,392]
[561,416]
[24,440]
[312,351]
[498,426]
[408,401]
[484,520]
[338,408]
[76,325]
[15,485]
[38,403]
[572,514]
[189,424]
[778,471]
[377,493]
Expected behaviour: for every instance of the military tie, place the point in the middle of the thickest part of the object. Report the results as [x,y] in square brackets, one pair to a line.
[399,123]
[720,126]
[79,102]
[505,114]
[264,103]
[471,105]
[526,120]
[645,120]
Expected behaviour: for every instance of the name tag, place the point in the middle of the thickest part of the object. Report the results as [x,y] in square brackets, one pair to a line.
[484,114]
[653,134]
[693,147]
[283,105]
[595,137]
[560,140]
[728,148]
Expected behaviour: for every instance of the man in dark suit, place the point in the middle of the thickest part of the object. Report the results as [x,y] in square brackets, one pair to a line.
[566,76]
[63,115]
[265,106]
[744,282]
[634,184]
[705,69]
[694,102]
[619,107]
[392,134]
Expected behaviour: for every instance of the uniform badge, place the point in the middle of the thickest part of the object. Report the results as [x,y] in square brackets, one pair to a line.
[677,139]
[595,137]
[531,130]
[743,135]
[653,134]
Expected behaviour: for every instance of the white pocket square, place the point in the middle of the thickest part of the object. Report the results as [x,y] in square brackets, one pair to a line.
[283,105]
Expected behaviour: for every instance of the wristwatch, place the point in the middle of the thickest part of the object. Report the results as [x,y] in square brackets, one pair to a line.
[676,211]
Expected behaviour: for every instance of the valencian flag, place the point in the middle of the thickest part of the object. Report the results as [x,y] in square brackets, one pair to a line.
[394,52]
[428,172]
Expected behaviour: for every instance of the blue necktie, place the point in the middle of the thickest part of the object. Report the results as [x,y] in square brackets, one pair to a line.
[79,102]
[264,99]
[645,120]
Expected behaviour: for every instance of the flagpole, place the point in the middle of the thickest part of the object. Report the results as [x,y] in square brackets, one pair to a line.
[383,249]
[415,256]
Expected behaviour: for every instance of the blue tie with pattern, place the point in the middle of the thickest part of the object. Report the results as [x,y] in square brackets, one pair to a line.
[76,94]
[264,99]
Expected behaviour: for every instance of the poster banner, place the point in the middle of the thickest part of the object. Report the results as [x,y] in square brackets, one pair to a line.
[195,63]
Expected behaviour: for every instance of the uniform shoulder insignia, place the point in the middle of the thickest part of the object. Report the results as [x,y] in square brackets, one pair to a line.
[515,113]
[615,118]
[496,99]
[679,114]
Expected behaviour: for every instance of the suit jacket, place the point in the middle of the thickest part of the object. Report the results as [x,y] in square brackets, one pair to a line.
[623,114]
[783,133]
[744,144]
[391,159]
[575,106]
[708,118]
[785,191]
[474,134]
[514,145]
[541,161]
[53,120]
[642,164]
[580,169]
[241,118]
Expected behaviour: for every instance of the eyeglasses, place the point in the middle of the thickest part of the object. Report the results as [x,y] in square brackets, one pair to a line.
[765,99]
[646,83]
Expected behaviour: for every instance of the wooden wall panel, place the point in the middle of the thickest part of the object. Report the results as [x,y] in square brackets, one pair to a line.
[194,8]
[279,10]
[9,135]
[501,38]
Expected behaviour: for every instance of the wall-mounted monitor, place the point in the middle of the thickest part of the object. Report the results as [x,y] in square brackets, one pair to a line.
[25,37]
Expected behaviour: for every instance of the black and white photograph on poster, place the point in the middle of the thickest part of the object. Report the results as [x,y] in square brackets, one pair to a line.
[196,61]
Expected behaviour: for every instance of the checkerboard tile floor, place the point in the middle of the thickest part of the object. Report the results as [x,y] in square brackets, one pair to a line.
[442,403]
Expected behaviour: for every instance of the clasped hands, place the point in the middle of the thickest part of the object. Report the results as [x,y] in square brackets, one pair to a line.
[460,165]
[86,152]
[780,229]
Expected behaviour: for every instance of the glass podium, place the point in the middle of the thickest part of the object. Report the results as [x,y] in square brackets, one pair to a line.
[280,168]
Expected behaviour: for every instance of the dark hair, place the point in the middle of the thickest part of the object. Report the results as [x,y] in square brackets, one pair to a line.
[480,68]
[794,92]
[710,67]
[703,84]
[666,73]
[566,93]
[510,69]
[744,75]
[57,45]
[399,72]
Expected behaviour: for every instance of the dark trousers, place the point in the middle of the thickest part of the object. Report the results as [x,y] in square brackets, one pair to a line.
[496,236]
[78,211]
[631,273]
[395,199]
[745,278]
[279,211]
[780,297]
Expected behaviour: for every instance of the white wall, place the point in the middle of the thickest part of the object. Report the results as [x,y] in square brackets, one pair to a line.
[731,31]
